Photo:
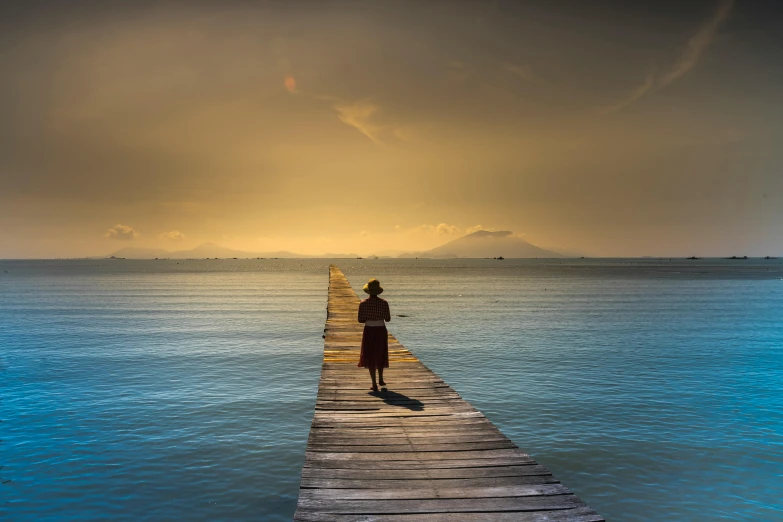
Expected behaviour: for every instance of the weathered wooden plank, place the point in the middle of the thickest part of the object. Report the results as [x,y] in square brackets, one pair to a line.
[415,450]
[387,397]
[423,448]
[443,428]
[398,430]
[337,390]
[402,414]
[346,380]
[427,464]
[403,445]
[338,505]
[432,492]
[577,514]
[371,473]
[367,396]
[332,483]
[388,391]
[333,379]
[323,421]
[354,385]
[419,428]
[391,407]
[351,372]
[416,370]
[413,455]
[386,400]
[362,416]
[398,440]
[384,435]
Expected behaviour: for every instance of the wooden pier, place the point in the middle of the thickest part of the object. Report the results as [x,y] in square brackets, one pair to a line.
[415,450]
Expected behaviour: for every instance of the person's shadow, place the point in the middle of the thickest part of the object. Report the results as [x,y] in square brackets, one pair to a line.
[398,399]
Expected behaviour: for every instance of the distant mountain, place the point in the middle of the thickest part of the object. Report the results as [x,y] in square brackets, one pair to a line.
[330,255]
[387,253]
[140,253]
[476,245]
[483,244]
[212,250]
[201,251]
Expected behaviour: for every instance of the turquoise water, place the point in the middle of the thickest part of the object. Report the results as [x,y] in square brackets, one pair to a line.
[163,390]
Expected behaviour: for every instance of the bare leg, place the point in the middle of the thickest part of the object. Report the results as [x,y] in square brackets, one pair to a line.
[372,376]
[380,377]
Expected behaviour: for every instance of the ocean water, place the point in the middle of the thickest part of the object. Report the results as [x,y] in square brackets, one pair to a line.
[184,390]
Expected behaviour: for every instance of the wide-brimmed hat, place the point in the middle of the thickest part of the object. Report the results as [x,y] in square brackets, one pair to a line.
[373,287]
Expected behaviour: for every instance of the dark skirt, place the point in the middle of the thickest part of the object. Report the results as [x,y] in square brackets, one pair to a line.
[375,348]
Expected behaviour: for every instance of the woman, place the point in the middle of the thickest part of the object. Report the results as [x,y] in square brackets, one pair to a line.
[373,311]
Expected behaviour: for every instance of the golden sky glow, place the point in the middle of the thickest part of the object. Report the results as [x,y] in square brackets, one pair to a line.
[605,129]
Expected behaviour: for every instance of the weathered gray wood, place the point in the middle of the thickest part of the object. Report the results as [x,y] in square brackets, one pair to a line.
[405,440]
[389,396]
[335,394]
[327,393]
[578,514]
[431,492]
[381,406]
[398,413]
[415,450]
[332,483]
[395,426]
[400,431]
[439,448]
[315,456]
[370,473]
[427,464]
[338,505]
[323,421]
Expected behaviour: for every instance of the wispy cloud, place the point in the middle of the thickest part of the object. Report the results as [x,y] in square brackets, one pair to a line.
[456,72]
[174,235]
[688,59]
[121,232]
[441,229]
[474,228]
[698,44]
[649,84]
[523,72]
[359,115]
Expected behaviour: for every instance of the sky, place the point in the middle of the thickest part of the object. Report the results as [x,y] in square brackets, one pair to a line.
[601,128]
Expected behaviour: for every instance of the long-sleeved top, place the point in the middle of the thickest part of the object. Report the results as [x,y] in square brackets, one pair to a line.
[374,309]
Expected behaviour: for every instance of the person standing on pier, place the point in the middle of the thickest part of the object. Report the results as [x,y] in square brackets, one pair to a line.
[374,312]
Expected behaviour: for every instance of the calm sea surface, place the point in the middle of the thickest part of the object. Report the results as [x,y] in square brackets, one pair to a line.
[184,390]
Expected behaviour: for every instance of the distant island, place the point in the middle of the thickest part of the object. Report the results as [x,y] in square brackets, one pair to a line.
[213,251]
[479,245]
[485,244]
